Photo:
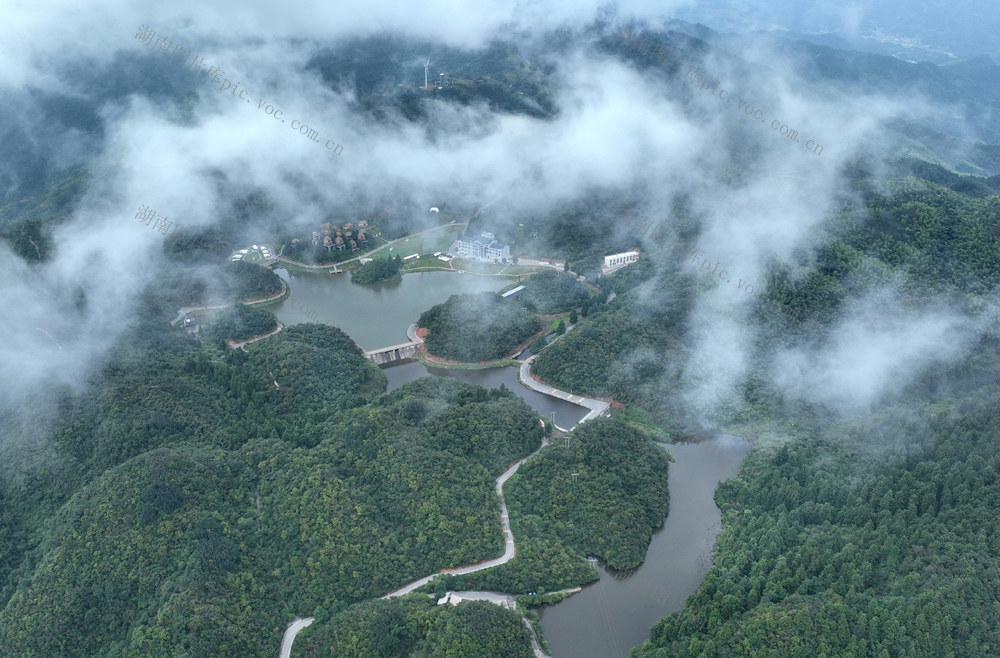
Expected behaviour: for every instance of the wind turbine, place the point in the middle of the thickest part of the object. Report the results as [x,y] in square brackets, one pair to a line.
[426,85]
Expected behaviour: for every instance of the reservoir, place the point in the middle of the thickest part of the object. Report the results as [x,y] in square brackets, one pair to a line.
[567,414]
[614,614]
[377,315]
[374,315]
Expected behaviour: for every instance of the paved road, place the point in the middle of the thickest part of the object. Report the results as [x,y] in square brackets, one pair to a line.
[367,253]
[509,549]
[235,346]
[293,629]
[411,333]
[536,648]
[499,598]
[597,407]
[184,310]
[533,261]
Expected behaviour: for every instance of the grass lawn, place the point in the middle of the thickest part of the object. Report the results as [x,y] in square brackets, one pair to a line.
[429,243]
[426,264]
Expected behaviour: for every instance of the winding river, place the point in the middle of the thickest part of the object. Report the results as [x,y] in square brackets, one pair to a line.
[614,614]
[567,414]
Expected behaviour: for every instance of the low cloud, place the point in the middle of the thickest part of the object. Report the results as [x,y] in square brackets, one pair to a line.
[880,347]
[170,140]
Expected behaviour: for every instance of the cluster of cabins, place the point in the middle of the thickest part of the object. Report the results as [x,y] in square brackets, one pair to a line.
[342,237]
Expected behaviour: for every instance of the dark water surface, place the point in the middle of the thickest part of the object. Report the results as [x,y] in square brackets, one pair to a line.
[374,315]
[614,614]
[567,413]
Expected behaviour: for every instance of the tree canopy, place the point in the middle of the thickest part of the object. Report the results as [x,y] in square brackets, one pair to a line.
[476,327]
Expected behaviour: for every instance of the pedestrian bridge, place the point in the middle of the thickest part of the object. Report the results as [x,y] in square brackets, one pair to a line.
[392,353]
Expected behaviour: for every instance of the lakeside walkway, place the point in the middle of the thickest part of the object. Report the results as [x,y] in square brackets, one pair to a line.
[184,310]
[597,407]
[239,344]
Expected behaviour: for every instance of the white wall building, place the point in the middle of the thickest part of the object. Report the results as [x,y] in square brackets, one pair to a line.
[615,261]
[483,248]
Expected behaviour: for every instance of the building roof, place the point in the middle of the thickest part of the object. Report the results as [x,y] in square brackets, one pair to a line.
[492,244]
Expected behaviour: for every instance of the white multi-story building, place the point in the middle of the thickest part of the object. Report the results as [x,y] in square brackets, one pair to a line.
[616,261]
[484,248]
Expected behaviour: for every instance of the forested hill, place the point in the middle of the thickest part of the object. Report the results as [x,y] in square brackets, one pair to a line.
[939,242]
[966,139]
[193,496]
[476,327]
[872,535]
[829,552]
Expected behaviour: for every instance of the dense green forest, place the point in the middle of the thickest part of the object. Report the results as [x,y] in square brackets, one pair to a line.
[27,223]
[476,327]
[193,496]
[499,75]
[240,322]
[864,537]
[378,269]
[831,550]
[610,510]
[415,626]
[184,499]
[230,282]
[552,292]
[623,350]
[629,349]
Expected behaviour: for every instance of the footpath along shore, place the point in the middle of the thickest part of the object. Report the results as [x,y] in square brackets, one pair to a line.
[597,407]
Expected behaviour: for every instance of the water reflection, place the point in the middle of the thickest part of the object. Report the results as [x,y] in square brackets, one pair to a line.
[567,414]
[614,614]
[374,315]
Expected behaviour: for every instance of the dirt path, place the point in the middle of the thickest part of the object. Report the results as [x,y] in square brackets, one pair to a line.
[236,345]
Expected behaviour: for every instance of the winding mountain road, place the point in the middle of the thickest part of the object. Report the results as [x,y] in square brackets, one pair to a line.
[184,310]
[509,548]
[293,630]
[597,408]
